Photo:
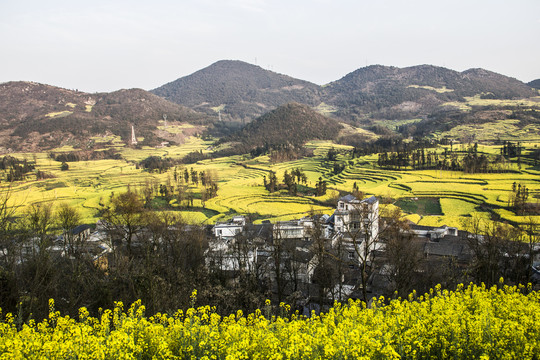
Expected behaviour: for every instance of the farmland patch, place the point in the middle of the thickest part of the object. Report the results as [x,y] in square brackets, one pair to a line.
[421,206]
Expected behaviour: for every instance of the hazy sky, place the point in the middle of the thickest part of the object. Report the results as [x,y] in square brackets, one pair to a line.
[108,45]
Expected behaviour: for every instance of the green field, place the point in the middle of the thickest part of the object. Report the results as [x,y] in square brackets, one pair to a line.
[420,206]
[443,197]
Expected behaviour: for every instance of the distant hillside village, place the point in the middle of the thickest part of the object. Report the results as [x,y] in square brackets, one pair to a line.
[318,259]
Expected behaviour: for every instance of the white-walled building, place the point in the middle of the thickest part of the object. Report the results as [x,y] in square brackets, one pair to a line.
[230,229]
[359,218]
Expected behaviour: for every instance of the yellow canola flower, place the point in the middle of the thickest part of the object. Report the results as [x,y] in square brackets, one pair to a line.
[472,322]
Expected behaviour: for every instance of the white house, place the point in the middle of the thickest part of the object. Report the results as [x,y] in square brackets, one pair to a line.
[230,229]
[432,232]
[355,217]
[294,229]
[356,225]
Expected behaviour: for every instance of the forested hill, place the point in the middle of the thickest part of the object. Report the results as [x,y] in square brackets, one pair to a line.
[291,124]
[534,84]
[387,92]
[36,116]
[240,90]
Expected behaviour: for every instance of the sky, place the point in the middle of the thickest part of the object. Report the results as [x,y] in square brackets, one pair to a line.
[107,45]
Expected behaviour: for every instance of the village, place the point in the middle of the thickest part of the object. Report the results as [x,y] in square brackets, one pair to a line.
[353,253]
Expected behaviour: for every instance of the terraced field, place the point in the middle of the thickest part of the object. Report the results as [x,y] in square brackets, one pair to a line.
[88,184]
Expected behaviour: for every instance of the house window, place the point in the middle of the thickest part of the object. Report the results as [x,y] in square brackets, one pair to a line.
[346,207]
[351,255]
[219,232]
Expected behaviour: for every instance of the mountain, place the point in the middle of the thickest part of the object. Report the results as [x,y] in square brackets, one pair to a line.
[387,92]
[290,124]
[36,116]
[239,90]
[535,84]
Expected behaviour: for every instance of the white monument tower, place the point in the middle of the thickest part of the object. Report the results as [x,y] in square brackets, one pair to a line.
[133,138]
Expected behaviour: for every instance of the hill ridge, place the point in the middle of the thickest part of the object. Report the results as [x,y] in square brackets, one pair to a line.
[242,90]
[39,116]
[388,92]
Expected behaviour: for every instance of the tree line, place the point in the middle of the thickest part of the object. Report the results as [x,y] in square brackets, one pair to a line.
[181,188]
[85,155]
[16,170]
[469,161]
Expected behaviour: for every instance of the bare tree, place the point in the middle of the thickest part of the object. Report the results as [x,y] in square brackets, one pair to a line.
[498,251]
[124,218]
[8,247]
[531,230]
[359,225]
[10,251]
[38,276]
[342,258]
[242,254]
[7,211]
[485,248]
[39,220]
[324,274]
[403,254]
[278,255]
[68,219]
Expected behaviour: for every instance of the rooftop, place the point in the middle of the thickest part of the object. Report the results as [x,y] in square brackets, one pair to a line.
[348,198]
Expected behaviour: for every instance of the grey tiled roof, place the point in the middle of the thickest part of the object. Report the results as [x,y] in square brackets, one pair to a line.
[347,198]
[370,200]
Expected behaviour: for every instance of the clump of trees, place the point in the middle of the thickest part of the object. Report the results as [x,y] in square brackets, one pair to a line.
[291,180]
[294,178]
[16,169]
[320,187]
[469,161]
[193,157]
[271,184]
[518,200]
[332,154]
[85,155]
[180,188]
[510,149]
[42,175]
[289,153]
[157,163]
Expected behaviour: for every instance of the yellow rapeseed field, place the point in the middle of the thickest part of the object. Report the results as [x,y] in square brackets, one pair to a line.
[87,184]
[472,322]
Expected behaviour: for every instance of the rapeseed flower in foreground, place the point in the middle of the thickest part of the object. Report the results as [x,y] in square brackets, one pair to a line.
[472,322]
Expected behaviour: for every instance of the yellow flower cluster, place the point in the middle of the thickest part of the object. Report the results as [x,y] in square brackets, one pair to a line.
[472,322]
